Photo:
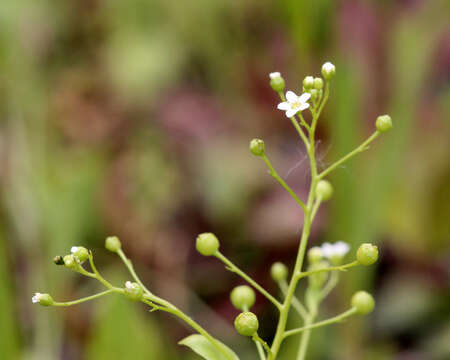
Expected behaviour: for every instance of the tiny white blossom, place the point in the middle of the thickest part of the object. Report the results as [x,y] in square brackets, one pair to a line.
[294,103]
[73,249]
[36,298]
[274,75]
[339,249]
[328,67]
[129,285]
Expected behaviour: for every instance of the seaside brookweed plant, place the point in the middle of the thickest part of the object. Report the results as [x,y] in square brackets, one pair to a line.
[324,263]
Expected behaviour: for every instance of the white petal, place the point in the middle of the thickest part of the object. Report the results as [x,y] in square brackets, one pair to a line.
[291,112]
[291,97]
[73,249]
[304,97]
[303,106]
[284,106]
[128,285]
[328,67]
[341,248]
[274,75]
[327,249]
[35,299]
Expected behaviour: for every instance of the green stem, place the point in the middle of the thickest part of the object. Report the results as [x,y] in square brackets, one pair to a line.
[330,285]
[233,268]
[332,268]
[304,341]
[259,347]
[88,298]
[329,321]
[275,175]
[97,274]
[256,338]
[296,304]
[359,149]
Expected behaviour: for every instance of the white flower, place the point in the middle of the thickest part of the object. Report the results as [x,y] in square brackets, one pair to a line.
[129,285]
[294,103]
[274,75]
[36,298]
[73,249]
[336,250]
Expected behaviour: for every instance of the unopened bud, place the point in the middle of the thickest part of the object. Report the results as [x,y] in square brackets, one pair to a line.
[278,272]
[246,323]
[207,244]
[328,70]
[42,299]
[363,302]
[242,297]
[318,83]
[257,147]
[276,81]
[133,291]
[112,243]
[308,82]
[315,254]
[324,190]
[80,253]
[383,123]
[367,254]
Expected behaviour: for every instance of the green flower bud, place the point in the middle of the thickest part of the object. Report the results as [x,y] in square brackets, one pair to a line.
[70,262]
[42,299]
[318,83]
[324,190]
[207,244]
[80,253]
[133,291]
[276,81]
[246,323]
[278,272]
[318,279]
[112,243]
[58,260]
[242,297]
[308,82]
[383,123]
[328,70]
[363,302]
[315,254]
[314,94]
[257,147]
[367,254]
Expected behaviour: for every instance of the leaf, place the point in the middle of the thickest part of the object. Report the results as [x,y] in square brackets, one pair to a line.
[202,346]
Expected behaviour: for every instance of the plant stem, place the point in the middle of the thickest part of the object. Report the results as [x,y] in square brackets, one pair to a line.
[296,304]
[88,298]
[233,268]
[256,338]
[304,341]
[275,175]
[332,268]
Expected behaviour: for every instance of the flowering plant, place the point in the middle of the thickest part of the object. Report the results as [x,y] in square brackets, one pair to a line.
[324,263]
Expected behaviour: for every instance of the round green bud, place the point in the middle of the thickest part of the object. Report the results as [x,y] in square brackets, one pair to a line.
[315,254]
[70,262]
[324,190]
[318,279]
[242,297]
[42,299]
[278,271]
[80,253]
[257,147]
[308,82]
[58,260]
[207,244]
[133,291]
[318,83]
[246,323]
[367,254]
[112,243]
[314,94]
[276,81]
[363,302]
[328,70]
[383,123]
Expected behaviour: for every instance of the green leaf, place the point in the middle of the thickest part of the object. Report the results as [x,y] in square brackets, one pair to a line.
[202,346]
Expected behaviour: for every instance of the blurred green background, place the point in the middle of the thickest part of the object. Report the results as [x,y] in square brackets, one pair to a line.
[133,118]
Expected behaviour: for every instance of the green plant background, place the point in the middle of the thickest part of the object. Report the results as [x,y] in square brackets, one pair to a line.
[133,118]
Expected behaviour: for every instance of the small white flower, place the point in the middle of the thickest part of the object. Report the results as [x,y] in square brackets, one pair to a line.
[294,103]
[328,67]
[274,75]
[129,285]
[339,249]
[74,249]
[36,298]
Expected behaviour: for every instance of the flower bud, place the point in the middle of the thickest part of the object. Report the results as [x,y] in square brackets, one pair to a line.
[276,81]
[318,83]
[70,262]
[318,279]
[42,299]
[315,254]
[278,272]
[308,82]
[257,147]
[246,323]
[363,302]
[314,94]
[367,254]
[207,244]
[242,297]
[112,243]
[328,70]
[133,291]
[58,260]
[80,253]
[383,123]
[324,190]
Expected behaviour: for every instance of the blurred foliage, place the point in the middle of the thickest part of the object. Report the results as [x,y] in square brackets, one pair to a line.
[133,118]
